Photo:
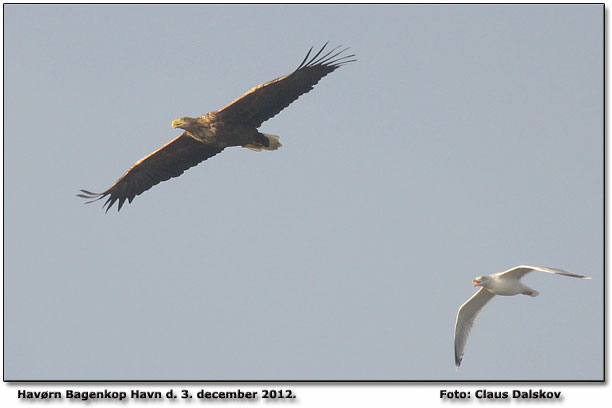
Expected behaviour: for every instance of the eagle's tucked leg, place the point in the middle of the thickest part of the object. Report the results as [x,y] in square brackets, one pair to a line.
[264,141]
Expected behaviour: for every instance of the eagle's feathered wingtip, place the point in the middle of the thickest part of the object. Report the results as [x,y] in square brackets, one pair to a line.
[93,197]
[327,58]
[88,194]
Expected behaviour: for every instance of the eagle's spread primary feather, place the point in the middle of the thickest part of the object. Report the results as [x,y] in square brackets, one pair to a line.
[234,125]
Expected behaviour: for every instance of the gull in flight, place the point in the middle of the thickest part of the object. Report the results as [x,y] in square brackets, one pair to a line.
[506,283]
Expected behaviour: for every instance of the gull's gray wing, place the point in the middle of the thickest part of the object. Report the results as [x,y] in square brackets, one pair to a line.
[468,312]
[519,271]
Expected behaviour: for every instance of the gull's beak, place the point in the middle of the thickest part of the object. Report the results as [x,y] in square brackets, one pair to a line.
[476,282]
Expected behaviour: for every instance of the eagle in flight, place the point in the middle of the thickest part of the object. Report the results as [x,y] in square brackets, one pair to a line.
[234,125]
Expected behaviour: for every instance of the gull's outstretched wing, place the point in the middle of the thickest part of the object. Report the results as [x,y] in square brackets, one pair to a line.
[468,312]
[522,270]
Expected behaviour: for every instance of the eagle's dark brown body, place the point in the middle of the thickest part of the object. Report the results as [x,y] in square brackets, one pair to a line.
[208,129]
[234,125]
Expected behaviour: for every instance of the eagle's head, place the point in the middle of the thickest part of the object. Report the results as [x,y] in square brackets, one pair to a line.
[183,123]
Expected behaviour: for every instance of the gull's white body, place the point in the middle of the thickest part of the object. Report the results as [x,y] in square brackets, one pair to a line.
[506,283]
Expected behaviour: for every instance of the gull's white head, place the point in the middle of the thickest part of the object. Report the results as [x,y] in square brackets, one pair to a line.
[479,280]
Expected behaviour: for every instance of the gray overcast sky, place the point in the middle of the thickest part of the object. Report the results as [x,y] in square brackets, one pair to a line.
[464,141]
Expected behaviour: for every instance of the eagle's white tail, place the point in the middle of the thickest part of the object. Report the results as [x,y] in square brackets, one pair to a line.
[272,143]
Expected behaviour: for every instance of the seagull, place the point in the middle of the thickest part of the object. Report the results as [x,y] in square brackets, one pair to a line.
[506,283]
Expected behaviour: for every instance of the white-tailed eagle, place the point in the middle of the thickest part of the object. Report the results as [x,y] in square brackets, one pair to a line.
[234,125]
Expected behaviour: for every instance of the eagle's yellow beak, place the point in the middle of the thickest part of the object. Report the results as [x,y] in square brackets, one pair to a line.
[476,282]
[176,123]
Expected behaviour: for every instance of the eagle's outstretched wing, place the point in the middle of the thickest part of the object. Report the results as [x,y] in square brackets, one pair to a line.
[170,160]
[266,100]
